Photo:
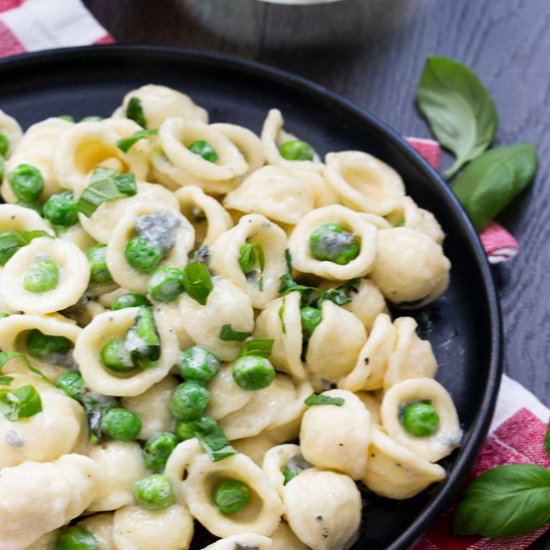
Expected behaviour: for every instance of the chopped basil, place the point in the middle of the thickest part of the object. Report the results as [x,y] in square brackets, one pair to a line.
[249,255]
[142,339]
[22,402]
[12,241]
[105,186]
[197,281]
[289,474]
[261,348]
[308,294]
[282,315]
[213,439]
[340,295]
[229,335]
[6,380]
[134,111]
[126,143]
[6,356]
[320,399]
[288,260]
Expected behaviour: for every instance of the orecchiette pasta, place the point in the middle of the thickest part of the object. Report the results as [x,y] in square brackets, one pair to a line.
[448,434]
[299,244]
[73,276]
[262,282]
[172,295]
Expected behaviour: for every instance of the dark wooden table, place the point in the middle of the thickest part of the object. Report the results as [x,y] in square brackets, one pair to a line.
[372,52]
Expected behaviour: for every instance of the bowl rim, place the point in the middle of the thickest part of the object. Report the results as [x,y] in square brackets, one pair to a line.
[480,425]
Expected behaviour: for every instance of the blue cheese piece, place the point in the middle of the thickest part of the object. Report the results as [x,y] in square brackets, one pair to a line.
[159,228]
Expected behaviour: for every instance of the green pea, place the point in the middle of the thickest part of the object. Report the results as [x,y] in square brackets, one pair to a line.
[68,118]
[311,317]
[186,429]
[116,357]
[42,276]
[26,182]
[199,364]
[121,424]
[252,372]
[97,257]
[4,144]
[154,492]
[231,495]
[61,209]
[331,242]
[166,284]
[72,384]
[205,150]
[75,538]
[157,450]
[420,419]
[296,150]
[130,300]
[42,345]
[189,401]
[142,255]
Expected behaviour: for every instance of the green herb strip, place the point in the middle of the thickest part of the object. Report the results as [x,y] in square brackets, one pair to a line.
[505,501]
[12,241]
[126,143]
[282,315]
[319,399]
[134,111]
[289,474]
[459,109]
[249,255]
[6,356]
[22,402]
[105,186]
[213,439]
[227,334]
[198,281]
[547,440]
[261,348]
[493,180]
[6,380]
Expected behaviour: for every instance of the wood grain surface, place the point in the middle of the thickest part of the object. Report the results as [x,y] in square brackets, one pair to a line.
[372,52]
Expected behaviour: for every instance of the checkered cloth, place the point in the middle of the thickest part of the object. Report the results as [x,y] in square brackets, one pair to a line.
[519,424]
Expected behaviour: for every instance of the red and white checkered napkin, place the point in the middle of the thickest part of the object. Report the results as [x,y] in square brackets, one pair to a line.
[519,425]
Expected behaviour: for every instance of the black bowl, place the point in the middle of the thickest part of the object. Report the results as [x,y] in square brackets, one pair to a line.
[463,326]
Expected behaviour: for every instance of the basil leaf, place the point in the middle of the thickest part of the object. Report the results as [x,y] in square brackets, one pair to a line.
[126,143]
[261,348]
[460,111]
[289,474]
[134,111]
[6,356]
[505,501]
[22,402]
[288,284]
[319,399]
[213,439]
[282,315]
[229,335]
[197,281]
[142,339]
[493,180]
[12,241]
[104,187]
[6,380]
[547,440]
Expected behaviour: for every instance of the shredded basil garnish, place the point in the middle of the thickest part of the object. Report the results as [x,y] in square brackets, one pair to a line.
[12,241]
[260,347]
[320,399]
[197,281]
[22,402]
[126,143]
[229,335]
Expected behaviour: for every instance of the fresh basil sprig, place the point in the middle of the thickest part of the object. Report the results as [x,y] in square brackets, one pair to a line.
[22,402]
[490,182]
[459,109]
[505,501]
